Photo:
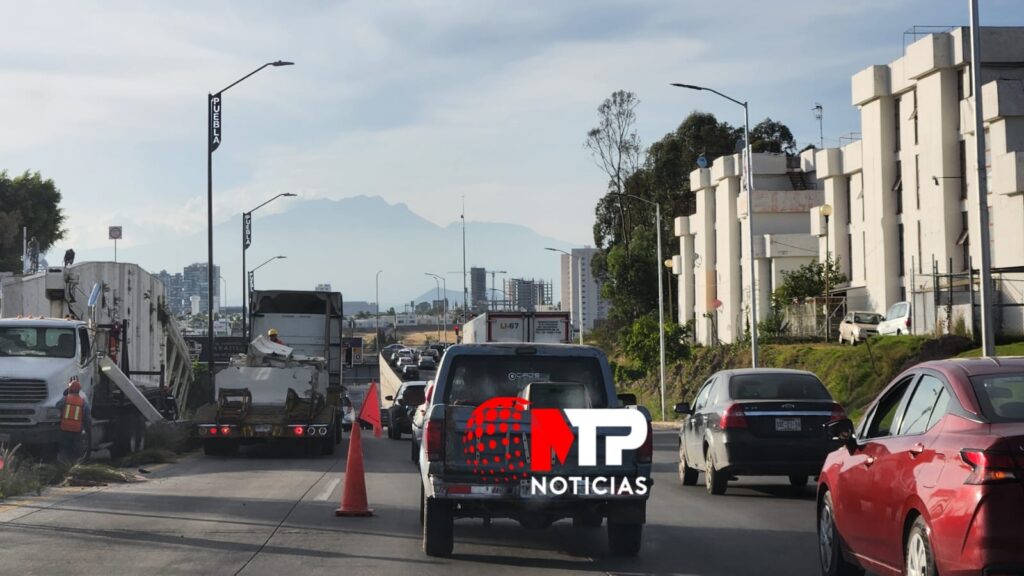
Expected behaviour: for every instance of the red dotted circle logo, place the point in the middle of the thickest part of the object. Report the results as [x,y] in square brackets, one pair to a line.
[494,441]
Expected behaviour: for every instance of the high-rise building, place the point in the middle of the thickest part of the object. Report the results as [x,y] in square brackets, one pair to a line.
[195,283]
[324,287]
[594,309]
[527,294]
[478,289]
[174,297]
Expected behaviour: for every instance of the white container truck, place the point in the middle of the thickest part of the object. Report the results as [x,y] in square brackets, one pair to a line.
[103,323]
[545,327]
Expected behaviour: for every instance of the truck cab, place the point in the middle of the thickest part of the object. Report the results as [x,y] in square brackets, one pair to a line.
[37,359]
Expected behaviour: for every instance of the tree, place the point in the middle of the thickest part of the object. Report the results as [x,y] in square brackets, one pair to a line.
[27,201]
[772,136]
[808,281]
[642,345]
[615,147]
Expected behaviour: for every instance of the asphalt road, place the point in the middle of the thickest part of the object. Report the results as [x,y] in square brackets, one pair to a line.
[264,512]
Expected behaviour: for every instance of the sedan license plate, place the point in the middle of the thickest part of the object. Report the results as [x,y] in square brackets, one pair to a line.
[261,429]
[787,424]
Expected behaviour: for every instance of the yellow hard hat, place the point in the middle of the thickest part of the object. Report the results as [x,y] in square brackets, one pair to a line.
[272,332]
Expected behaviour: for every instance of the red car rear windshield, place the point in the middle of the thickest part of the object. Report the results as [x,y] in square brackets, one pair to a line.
[1001,396]
[473,380]
[777,387]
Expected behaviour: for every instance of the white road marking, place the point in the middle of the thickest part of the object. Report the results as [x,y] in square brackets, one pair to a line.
[324,494]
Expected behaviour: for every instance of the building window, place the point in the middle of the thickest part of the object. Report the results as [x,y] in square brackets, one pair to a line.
[864,255]
[900,245]
[963,83]
[897,187]
[913,117]
[988,163]
[964,239]
[849,251]
[963,170]
[849,193]
[898,120]
[917,182]
[919,269]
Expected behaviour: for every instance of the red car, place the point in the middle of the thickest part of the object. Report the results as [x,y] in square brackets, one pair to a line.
[932,481]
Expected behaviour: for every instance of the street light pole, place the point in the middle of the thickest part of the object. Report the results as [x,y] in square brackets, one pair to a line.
[444,302]
[214,103]
[437,282]
[376,305]
[754,351]
[987,297]
[252,273]
[246,242]
[579,280]
[826,211]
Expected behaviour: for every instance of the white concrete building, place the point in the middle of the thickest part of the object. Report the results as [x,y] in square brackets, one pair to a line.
[902,197]
[905,195]
[713,264]
[594,307]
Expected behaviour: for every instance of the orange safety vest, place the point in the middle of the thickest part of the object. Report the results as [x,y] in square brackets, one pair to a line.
[71,417]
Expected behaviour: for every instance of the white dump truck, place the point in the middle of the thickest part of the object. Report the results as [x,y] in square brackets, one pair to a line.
[542,327]
[103,323]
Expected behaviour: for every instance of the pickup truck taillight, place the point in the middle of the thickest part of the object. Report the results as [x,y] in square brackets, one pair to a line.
[992,467]
[732,418]
[433,440]
[645,453]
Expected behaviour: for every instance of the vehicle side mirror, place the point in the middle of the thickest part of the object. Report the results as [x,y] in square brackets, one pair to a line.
[683,408]
[627,398]
[842,431]
[389,398]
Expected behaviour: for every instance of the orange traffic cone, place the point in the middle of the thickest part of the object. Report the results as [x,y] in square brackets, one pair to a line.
[353,496]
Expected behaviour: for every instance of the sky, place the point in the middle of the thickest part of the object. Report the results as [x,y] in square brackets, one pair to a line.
[426,103]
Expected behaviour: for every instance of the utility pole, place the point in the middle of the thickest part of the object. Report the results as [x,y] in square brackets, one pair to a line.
[493,287]
[987,329]
[465,288]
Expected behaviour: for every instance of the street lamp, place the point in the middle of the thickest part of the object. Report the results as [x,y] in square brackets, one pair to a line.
[579,275]
[826,211]
[246,242]
[376,306]
[252,273]
[750,214]
[444,302]
[437,281]
[214,103]
[661,293]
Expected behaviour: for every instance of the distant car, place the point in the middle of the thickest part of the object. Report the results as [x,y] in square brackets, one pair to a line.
[410,372]
[931,480]
[409,396]
[858,327]
[756,422]
[404,361]
[419,415]
[350,404]
[898,320]
[390,349]
[426,363]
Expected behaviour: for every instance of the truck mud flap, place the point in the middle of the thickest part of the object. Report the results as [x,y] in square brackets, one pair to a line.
[627,512]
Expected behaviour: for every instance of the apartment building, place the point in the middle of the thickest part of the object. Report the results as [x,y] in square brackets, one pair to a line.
[587,305]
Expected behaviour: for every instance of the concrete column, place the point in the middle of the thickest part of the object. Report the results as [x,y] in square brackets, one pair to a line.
[727,235]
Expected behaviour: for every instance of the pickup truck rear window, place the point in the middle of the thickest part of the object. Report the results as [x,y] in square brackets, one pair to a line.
[472,380]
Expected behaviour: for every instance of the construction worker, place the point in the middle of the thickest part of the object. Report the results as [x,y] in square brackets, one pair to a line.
[74,422]
[272,335]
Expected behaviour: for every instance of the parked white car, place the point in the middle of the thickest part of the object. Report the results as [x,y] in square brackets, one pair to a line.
[858,327]
[897,320]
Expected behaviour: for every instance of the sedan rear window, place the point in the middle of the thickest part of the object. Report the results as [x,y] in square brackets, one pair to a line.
[1001,396]
[777,387]
[474,379]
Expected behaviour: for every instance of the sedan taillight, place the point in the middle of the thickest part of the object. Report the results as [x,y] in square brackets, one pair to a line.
[733,418]
[837,413]
[433,439]
[992,467]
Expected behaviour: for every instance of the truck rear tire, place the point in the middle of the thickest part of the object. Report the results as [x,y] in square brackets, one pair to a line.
[129,436]
[438,527]
[625,539]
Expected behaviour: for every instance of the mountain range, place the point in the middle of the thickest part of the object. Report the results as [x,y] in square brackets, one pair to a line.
[345,242]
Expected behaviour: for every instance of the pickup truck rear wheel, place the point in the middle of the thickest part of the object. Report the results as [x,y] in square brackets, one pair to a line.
[438,527]
[625,539]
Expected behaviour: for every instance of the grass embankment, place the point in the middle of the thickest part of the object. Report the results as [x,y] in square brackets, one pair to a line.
[1012,349]
[22,473]
[854,375]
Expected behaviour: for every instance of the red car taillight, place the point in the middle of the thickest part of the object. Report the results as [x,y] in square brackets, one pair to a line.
[992,467]
[837,413]
[732,418]
[645,453]
[433,440]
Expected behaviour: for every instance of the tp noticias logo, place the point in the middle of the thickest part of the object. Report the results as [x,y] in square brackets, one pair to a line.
[508,440]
